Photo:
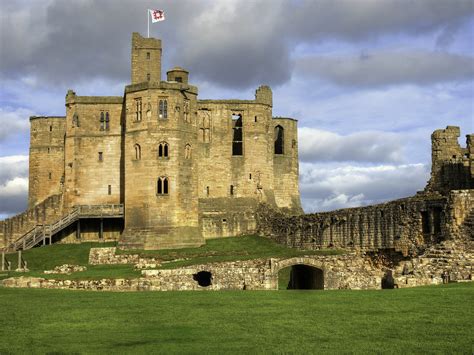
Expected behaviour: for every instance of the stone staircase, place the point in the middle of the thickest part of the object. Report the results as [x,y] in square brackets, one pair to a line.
[44,233]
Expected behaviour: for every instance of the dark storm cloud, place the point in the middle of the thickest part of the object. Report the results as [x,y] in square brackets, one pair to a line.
[230,43]
[388,68]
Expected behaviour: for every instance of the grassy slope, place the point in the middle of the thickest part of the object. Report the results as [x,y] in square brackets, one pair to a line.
[215,250]
[420,320]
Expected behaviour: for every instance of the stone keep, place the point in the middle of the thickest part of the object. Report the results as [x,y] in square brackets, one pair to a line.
[185,169]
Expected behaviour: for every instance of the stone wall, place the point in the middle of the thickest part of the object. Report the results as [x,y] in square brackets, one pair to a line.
[45,212]
[46,159]
[406,225]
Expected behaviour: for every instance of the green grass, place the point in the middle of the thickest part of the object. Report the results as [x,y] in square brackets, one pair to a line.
[227,249]
[215,250]
[419,320]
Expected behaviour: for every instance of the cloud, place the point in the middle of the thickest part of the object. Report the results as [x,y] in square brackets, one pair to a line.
[390,68]
[326,187]
[371,146]
[14,121]
[13,184]
[231,43]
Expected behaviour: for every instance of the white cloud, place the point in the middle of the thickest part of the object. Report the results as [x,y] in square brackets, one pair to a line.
[14,121]
[13,184]
[389,68]
[370,146]
[331,186]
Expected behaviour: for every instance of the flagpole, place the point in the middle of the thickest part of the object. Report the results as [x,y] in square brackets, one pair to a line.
[148,21]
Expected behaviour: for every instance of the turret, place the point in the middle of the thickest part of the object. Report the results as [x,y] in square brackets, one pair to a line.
[146,59]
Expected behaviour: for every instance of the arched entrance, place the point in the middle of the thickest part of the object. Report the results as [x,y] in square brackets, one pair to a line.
[305,277]
[299,274]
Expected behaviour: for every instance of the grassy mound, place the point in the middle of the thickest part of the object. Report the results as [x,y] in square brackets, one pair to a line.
[215,250]
[420,320]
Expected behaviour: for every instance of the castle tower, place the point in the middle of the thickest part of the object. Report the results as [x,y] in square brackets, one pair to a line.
[46,162]
[160,189]
[146,59]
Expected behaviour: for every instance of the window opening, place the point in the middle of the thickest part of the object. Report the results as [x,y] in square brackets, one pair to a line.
[102,121]
[186,110]
[163,150]
[162,186]
[163,109]
[231,190]
[107,121]
[75,120]
[147,55]
[49,176]
[148,77]
[138,107]
[110,190]
[255,118]
[138,152]
[279,140]
[207,190]
[237,134]
[101,156]
[179,79]
[50,128]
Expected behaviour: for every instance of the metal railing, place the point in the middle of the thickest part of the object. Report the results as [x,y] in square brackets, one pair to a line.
[40,232]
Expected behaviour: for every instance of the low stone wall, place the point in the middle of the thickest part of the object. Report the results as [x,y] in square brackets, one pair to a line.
[108,256]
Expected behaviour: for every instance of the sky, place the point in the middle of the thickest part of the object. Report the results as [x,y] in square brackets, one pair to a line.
[367,80]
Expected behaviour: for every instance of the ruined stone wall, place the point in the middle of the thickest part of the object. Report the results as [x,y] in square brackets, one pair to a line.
[286,168]
[406,225]
[93,150]
[452,165]
[46,159]
[45,212]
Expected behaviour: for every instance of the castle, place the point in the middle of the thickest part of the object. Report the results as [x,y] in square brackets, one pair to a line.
[158,168]
[179,168]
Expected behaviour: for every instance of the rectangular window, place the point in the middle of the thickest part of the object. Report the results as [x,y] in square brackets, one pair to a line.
[110,190]
[147,55]
[138,107]
[148,77]
[237,138]
[101,156]
[163,109]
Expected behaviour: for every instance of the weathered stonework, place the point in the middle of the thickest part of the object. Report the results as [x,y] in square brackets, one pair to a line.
[66,269]
[108,256]
[184,169]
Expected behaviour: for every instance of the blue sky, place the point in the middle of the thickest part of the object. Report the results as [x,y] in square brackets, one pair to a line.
[368,80]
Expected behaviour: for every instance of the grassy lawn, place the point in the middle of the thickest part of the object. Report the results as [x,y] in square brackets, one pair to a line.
[227,249]
[419,320]
[215,250]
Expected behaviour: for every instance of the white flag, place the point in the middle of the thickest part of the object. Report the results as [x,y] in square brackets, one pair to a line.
[157,15]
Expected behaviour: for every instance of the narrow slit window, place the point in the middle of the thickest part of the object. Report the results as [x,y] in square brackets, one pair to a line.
[50,128]
[138,106]
[49,176]
[148,77]
[232,190]
[207,190]
[109,190]
[102,121]
[107,121]
[138,152]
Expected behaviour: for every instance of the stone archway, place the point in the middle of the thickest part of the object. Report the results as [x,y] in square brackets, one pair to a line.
[305,273]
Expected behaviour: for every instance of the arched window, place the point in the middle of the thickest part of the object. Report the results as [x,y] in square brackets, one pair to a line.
[107,121]
[279,140]
[163,150]
[138,152]
[237,135]
[162,186]
[102,121]
[187,151]
[163,109]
